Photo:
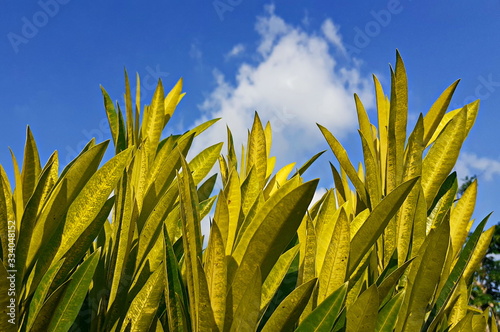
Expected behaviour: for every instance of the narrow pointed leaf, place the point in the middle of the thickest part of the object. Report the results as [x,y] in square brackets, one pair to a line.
[388,316]
[289,310]
[323,317]
[362,314]
[373,227]
[71,302]
[144,306]
[433,117]
[345,163]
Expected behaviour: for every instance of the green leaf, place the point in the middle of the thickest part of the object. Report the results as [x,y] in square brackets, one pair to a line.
[31,167]
[458,269]
[362,314]
[73,178]
[388,315]
[205,190]
[376,222]
[41,293]
[250,191]
[289,310]
[398,113]
[173,289]
[204,312]
[111,114]
[276,276]
[131,138]
[323,317]
[72,299]
[386,284]
[479,252]
[308,163]
[125,212]
[191,238]
[308,243]
[423,277]
[90,200]
[84,241]
[143,308]
[203,162]
[246,312]
[443,202]
[372,181]
[25,236]
[326,221]
[46,313]
[154,224]
[277,228]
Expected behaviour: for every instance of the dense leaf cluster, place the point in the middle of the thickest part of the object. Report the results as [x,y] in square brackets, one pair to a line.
[120,247]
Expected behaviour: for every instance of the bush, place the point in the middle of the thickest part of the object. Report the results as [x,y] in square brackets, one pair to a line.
[120,247]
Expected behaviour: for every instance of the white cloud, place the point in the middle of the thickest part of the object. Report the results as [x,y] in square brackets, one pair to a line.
[195,52]
[235,51]
[306,20]
[295,83]
[470,164]
[331,32]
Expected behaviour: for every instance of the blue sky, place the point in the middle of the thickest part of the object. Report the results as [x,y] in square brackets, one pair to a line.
[295,62]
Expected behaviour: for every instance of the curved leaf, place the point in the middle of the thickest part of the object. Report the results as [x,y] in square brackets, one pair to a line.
[289,310]
[74,294]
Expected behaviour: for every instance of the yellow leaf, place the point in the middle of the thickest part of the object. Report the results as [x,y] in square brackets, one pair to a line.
[233,199]
[442,156]
[334,268]
[257,151]
[433,118]
[362,314]
[152,124]
[460,216]
[171,101]
[478,254]
[345,163]
[90,200]
[216,274]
